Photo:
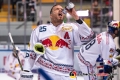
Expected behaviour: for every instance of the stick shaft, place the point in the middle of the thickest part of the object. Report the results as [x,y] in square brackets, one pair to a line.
[14,49]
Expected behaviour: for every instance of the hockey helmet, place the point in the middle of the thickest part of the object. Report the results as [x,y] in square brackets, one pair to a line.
[113,25]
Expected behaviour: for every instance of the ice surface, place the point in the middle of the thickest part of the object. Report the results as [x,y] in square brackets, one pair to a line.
[4,76]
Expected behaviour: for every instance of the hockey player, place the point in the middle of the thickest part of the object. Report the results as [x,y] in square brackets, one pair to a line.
[103,45]
[58,39]
[12,66]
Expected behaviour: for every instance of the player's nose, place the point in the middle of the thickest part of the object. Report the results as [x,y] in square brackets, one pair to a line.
[60,10]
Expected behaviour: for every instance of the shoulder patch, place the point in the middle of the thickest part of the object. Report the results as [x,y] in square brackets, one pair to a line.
[67,27]
[111,50]
[110,56]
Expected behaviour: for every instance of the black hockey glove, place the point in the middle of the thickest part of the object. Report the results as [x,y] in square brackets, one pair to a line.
[118,50]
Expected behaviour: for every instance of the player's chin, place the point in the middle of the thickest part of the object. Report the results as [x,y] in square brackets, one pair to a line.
[61,19]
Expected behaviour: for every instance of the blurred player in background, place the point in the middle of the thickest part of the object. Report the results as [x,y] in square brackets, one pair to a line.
[12,66]
[102,45]
[58,39]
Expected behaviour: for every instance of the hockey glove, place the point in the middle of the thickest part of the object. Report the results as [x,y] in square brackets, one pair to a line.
[118,58]
[26,75]
[39,48]
[118,50]
[114,61]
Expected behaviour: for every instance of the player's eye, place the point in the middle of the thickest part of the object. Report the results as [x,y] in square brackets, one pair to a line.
[57,8]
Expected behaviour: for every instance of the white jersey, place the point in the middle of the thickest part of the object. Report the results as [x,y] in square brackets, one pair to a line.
[58,42]
[102,45]
[12,66]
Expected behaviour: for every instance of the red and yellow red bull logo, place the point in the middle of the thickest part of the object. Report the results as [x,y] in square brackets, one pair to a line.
[54,42]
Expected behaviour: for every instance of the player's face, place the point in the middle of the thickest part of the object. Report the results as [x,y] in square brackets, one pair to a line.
[57,14]
[116,33]
[119,37]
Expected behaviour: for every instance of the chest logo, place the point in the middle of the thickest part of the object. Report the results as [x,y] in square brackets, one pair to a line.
[54,42]
[67,27]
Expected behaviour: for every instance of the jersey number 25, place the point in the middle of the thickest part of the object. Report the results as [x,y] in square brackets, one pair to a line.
[42,28]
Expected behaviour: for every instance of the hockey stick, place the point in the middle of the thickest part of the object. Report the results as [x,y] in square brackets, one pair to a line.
[20,25]
[14,49]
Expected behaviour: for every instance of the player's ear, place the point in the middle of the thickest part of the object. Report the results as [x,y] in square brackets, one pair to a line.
[50,15]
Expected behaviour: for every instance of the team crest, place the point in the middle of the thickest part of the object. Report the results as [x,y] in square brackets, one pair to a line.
[110,56]
[111,50]
[66,27]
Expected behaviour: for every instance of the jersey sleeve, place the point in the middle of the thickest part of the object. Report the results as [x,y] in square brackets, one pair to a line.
[17,65]
[83,29]
[30,54]
[108,50]
[10,63]
[83,33]
[7,63]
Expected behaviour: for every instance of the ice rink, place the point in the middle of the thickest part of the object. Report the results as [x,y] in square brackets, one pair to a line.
[4,76]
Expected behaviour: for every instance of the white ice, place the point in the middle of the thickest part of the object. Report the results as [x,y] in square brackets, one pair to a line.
[4,76]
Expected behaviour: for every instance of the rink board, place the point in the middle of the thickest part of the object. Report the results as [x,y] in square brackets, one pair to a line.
[4,76]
